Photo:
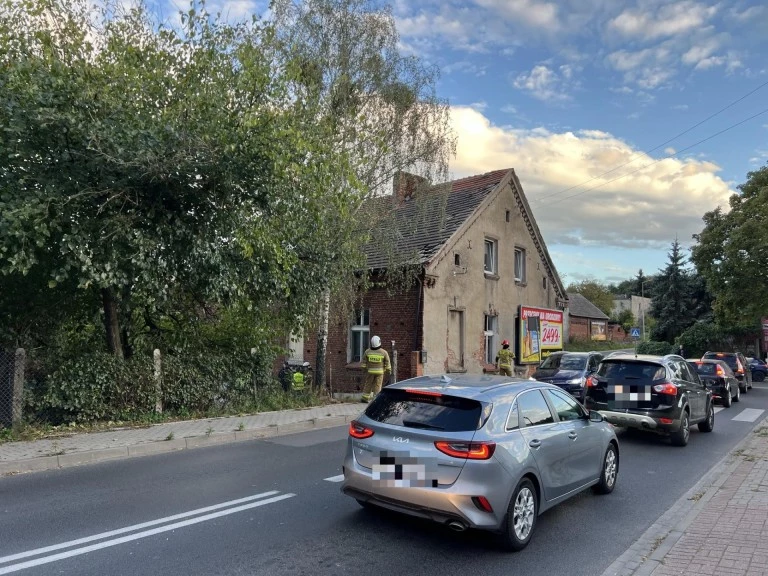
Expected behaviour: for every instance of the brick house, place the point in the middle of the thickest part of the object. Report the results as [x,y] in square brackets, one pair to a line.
[585,320]
[480,255]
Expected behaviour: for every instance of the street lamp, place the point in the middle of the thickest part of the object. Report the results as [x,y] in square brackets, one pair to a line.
[642,305]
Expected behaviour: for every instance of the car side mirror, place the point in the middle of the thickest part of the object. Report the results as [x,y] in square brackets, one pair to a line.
[595,416]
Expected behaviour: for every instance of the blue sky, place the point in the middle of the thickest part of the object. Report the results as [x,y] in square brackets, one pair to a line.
[565,91]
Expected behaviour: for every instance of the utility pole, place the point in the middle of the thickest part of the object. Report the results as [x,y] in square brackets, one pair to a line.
[642,306]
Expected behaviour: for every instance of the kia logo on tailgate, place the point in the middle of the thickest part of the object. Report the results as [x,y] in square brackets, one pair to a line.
[400,439]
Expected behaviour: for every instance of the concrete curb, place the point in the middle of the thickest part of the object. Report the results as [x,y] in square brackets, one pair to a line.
[70,459]
[648,551]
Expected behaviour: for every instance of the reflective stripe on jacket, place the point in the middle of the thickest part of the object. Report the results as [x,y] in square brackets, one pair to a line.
[505,357]
[376,361]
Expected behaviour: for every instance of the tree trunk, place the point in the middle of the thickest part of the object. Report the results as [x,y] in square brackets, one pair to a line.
[112,322]
[322,340]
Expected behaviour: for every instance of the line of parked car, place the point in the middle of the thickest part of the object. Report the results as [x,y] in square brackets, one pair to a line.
[494,452]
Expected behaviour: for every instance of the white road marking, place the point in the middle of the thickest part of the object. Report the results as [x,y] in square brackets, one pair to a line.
[748,415]
[138,535]
[338,478]
[718,409]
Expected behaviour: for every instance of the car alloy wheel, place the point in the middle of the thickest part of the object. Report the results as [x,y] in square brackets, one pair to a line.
[522,518]
[610,468]
[681,435]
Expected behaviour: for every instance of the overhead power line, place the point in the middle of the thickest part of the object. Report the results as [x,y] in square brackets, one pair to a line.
[637,155]
[731,127]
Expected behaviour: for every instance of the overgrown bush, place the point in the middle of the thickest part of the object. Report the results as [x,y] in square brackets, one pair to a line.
[656,348]
[198,382]
[98,386]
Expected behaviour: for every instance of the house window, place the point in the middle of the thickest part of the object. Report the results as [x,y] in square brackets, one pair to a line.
[507,215]
[457,259]
[544,283]
[491,257]
[519,265]
[359,334]
[491,328]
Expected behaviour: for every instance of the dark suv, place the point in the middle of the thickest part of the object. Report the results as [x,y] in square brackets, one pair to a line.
[738,364]
[569,371]
[661,394]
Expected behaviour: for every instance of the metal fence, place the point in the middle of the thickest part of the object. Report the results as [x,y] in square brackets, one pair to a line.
[12,366]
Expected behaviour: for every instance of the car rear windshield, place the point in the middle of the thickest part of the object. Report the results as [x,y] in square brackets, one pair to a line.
[429,412]
[729,359]
[706,368]
[640,372]
[565,362]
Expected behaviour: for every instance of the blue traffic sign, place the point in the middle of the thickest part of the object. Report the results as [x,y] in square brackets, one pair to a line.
[635,332]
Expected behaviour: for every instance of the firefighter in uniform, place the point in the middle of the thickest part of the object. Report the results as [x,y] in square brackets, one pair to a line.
[375,362]
[504,359]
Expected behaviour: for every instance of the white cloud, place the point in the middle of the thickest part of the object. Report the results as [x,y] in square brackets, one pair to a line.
[465,67]
[681,107]
[544,83]
[509,109]
[644,210]
[665,21]
[669,151]
[530,12]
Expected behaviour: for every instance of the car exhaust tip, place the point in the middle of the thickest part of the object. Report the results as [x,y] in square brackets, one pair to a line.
[457,526]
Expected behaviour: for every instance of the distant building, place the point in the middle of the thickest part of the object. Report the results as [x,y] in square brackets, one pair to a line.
[585,320]
[638,305]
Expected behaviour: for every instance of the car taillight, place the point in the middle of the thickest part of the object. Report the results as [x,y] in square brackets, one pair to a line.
[740,369]
[357,430]
[666,388]
[422,392]
[469,450]
[720,371]
[591,382]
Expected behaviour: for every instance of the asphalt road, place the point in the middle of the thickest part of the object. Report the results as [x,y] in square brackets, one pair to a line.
[272,508]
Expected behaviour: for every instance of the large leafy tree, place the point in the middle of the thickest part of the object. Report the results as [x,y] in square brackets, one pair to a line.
[380,107]
[731,253]
[597,293]
[143,163]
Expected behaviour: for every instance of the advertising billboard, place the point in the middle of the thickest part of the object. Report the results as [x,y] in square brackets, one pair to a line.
[539,333]
[597,330]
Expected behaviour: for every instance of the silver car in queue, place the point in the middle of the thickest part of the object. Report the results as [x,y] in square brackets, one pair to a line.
[476,451]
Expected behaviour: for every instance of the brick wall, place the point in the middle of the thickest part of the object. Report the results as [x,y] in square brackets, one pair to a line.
[391,318]
[578,328]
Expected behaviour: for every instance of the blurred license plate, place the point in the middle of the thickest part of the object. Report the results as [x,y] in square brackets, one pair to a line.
[627,396]
[404,471]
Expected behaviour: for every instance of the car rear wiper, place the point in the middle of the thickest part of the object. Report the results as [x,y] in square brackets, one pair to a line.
[422,425]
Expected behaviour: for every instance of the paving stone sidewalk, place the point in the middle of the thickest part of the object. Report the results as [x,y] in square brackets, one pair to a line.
[720,527]
[83,448]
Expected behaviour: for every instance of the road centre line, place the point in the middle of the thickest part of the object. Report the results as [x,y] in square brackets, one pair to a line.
[338,478]
[139,535]
[135,527]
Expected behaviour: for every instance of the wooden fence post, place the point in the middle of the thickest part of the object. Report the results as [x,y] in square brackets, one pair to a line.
[17,400]
[158,382]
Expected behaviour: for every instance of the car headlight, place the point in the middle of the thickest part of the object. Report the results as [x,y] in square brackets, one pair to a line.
[576,381]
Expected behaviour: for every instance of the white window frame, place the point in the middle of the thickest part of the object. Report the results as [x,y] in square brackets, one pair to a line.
[494,246]
[491,333]
[358,325]
[519,266]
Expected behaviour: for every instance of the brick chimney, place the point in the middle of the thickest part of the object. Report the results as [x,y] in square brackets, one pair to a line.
[406,185]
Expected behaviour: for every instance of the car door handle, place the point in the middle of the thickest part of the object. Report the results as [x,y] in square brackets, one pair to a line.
[534,443]
[573,435]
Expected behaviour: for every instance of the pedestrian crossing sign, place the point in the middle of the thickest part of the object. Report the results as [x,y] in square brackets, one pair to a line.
[635,333]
